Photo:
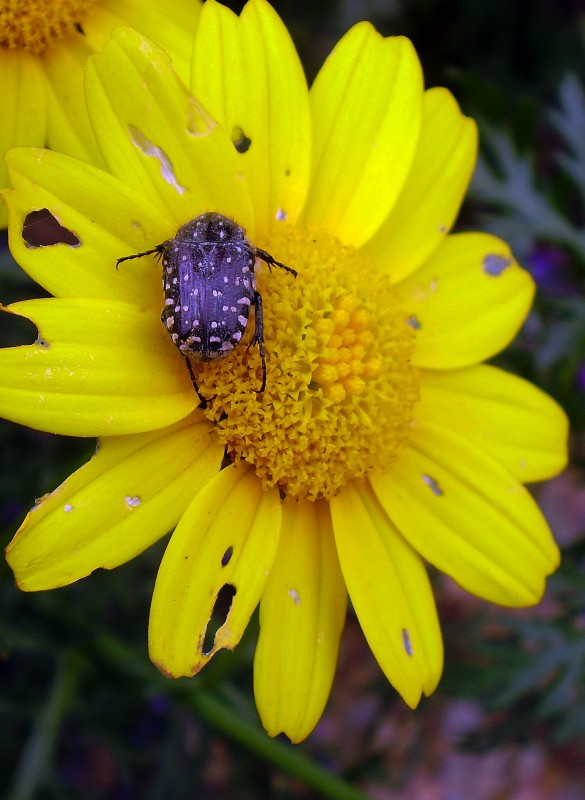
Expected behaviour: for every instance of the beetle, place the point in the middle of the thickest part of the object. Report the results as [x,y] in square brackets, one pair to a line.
[209,287]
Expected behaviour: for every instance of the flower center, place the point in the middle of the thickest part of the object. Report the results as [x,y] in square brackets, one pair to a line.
[34,24]
[340,384]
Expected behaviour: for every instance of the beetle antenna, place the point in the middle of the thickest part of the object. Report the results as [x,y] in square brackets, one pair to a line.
[158,250]
[264,256]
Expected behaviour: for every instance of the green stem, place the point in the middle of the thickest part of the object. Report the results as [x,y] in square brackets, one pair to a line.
[253,738]
[36,757]
[221,717]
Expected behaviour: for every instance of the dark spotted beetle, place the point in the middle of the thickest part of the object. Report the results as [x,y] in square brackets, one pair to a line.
[209,287]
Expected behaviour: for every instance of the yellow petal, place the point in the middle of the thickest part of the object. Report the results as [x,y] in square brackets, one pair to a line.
[107,219]
[68,127]
[23,108]
[226,538]
[428,204]
[97,369]
[366,107]
[507,417]
[390,592]
[171,25]
[467,302]
[301,618]
[246,72]
[469,517]
[157,138]
[131,493]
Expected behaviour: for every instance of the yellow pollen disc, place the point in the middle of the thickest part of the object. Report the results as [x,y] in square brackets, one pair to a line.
[340,384]
[34,24]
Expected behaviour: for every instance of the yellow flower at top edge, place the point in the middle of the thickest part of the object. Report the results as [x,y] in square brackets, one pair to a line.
[380,442]
[43,49]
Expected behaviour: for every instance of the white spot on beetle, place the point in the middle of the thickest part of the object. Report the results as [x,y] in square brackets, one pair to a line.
[243,321]
[244,301]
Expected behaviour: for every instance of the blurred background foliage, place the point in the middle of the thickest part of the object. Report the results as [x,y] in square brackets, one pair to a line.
[84,715]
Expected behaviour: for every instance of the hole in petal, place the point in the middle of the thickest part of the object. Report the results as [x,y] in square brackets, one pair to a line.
[219,615]
[494,264]
[294,595]
[79,29]
[67,508]
[16,331]
[407,644]
[281,215]
[433,485]
[242,143]
[149,149]
[199,121]
[41,229]
[227,557]
[132,502]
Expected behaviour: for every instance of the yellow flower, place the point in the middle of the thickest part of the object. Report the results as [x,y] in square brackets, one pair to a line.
[44,45]
[380,442]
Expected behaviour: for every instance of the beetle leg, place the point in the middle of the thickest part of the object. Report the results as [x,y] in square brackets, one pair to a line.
[264,256]
[258,337]
[194,382]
